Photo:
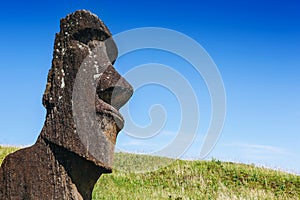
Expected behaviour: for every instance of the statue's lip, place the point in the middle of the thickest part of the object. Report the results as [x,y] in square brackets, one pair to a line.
[107,109]
[116,115]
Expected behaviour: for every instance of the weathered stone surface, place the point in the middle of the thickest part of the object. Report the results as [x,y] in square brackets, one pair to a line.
[65,162]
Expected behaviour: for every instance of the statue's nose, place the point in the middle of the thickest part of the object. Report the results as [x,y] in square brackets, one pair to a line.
[113,88]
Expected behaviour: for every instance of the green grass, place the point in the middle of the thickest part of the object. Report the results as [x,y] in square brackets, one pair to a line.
[191,180]
[5,151]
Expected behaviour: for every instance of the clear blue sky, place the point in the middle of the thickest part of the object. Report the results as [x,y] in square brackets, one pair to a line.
[255,44]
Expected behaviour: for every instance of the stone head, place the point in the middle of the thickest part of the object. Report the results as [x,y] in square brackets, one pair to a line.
[84,92]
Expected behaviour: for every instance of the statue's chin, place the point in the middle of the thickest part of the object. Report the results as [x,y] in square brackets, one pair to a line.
[108,125]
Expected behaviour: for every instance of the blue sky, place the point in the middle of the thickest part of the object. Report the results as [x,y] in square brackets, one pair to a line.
[255,44]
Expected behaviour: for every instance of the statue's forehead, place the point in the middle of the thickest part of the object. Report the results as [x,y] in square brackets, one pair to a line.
[85,28]
[83,22]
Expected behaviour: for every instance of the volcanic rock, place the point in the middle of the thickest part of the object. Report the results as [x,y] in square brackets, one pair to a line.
[82,97]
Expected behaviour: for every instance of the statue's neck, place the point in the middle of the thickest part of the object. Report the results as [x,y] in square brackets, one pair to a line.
[83,174]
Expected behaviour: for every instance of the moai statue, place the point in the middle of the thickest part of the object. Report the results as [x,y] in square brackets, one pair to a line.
[82,97]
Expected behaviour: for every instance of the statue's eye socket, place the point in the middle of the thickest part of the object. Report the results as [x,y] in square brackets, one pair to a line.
[111,50]
[88,34]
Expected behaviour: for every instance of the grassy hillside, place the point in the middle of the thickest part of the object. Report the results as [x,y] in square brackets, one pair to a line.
[5,151]
[191,180]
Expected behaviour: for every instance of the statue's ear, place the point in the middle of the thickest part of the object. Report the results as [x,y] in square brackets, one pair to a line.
[111,49]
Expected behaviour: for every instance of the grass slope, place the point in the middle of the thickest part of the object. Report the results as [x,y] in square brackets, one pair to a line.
[191,180]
